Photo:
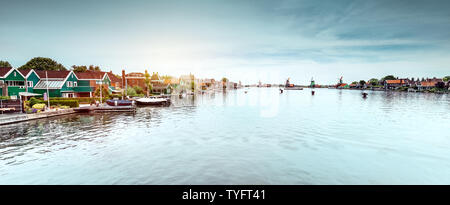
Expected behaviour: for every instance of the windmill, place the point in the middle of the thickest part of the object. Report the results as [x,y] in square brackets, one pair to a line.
[339,83]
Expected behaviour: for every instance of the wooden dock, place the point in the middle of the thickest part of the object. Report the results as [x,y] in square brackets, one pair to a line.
[106,108]
[15,118]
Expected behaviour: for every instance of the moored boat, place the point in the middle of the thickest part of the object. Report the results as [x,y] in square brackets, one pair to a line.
[119,102]
[153,101]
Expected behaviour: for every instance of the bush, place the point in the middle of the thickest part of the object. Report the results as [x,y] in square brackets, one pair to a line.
[131,91]
[66,102]
[33,101]
[138,90]
[80,99]
[39,106]
[70,103]
[4,97]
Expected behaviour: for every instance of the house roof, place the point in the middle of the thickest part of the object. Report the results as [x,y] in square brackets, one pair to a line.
[395,81]
[171,81]
[435,80]
[135,75]
[427,84]
[155,77]
[25,71]
[52,73]
[159,85]
[4,70]
[89,75]
[114,78]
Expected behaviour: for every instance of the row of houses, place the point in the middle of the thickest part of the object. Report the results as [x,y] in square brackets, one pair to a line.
[420,85]
[185,83]
[16,83]
[424,84]
[26,83]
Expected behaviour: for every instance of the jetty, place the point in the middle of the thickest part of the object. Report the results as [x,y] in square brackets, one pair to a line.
[15,118]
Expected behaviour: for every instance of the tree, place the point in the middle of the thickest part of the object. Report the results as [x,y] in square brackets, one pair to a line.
[5,64]
[147,81]
[362,82]
[94,68]
[193,86]
[440,85]
[41,63]
[445,79]
[373,81]
[138,90]
[388,77]
[354,82]
[105,92]
[131,92]
[224,82]
[81,68]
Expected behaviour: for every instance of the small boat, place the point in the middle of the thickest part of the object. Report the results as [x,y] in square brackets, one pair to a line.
[152,101]
[119,102]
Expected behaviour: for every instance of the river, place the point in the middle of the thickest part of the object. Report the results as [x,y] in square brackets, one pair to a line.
[238,137]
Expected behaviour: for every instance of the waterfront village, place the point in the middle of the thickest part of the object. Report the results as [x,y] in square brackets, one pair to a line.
[25,89]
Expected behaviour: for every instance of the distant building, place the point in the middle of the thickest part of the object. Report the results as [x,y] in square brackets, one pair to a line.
[186,82]
[393,84]
[429,83]
[136,79]
[158,85]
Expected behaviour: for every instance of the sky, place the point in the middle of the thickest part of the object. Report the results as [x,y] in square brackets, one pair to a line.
[246,40]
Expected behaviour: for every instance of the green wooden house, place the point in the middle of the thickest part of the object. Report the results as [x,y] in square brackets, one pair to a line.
[58,83]
[12,82]
[31,79]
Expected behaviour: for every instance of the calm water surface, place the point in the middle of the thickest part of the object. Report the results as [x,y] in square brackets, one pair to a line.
[262,137]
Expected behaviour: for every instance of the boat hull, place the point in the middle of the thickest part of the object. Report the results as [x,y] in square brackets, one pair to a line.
[119,102]
[161,102]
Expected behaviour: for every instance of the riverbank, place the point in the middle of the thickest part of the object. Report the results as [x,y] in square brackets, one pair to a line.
[442,91]
[15,118]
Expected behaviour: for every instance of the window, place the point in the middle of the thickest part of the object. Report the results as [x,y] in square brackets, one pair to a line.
[30,84]
[15,83]
[70,95]
[69,84]
[75,84]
